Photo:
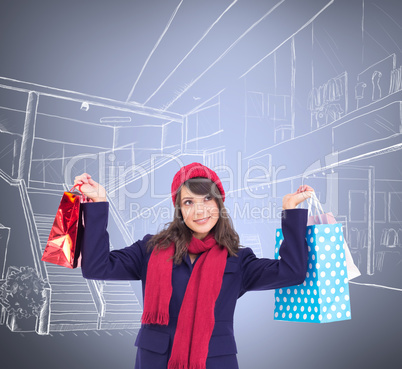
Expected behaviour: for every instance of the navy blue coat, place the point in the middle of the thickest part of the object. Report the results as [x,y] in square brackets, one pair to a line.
[243,273]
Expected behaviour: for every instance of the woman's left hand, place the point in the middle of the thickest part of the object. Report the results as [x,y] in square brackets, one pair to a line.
[291,200]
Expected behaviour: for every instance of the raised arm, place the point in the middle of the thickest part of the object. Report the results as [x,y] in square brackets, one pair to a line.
[98,262]
[264,274]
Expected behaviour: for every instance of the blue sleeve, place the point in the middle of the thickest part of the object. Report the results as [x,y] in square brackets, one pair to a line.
[291,268]
[98,262]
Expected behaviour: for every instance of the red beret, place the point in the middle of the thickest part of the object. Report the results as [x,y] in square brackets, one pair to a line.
[195,170]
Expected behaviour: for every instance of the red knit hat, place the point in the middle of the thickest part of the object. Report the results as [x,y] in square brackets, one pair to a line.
[195,170]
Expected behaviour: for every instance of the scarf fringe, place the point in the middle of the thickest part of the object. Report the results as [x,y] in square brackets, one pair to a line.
[181,365]
[155,318]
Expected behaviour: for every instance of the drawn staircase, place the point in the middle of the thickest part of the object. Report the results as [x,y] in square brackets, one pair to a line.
[78,303]
[122,308]
[72,306]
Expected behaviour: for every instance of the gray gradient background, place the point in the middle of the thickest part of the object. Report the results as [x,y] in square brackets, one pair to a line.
[98,48]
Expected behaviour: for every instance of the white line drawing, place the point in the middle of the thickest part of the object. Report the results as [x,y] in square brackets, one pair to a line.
[252,241]
[376,110]
[329,102]
[26,278]
[377,286]
[4,239]
[372,83]
[154,48]
[353,128]
[71,302]
[195,45]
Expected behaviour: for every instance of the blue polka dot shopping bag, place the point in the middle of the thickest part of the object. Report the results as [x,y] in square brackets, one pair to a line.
[323,297]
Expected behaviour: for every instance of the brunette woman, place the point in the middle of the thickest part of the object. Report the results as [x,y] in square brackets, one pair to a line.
[193,271]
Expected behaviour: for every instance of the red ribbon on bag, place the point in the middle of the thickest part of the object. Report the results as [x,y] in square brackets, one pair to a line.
[63,245]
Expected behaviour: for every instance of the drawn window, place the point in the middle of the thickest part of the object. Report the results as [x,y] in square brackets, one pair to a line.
[255,104]
[395,207]
[380,207]
[358,206]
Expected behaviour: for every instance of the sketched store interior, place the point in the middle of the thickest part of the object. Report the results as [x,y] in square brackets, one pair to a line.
[300,102]
[347,127]
[36,160]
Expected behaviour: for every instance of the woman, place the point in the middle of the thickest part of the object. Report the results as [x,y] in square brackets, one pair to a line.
[193,271]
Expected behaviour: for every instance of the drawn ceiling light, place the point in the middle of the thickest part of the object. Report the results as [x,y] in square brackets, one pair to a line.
[84,106]
[115,120]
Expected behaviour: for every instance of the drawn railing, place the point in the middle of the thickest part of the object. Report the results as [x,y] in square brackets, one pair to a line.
[96,288]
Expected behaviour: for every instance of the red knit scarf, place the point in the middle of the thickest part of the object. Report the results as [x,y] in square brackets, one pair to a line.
[196,318]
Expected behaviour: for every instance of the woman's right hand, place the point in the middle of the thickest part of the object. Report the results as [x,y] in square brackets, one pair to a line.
[90,188]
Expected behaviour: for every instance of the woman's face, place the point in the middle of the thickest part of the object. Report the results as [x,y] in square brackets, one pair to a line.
[200,212]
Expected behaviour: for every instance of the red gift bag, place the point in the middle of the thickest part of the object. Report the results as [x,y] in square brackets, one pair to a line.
[63,245]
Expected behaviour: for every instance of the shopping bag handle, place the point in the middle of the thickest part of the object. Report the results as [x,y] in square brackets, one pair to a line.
[83,197]
[313,200]
[76,185]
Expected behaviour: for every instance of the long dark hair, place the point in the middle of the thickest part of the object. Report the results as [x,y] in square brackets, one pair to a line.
[178,232]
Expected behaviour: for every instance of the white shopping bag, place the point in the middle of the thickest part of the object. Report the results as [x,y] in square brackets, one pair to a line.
[319,217]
